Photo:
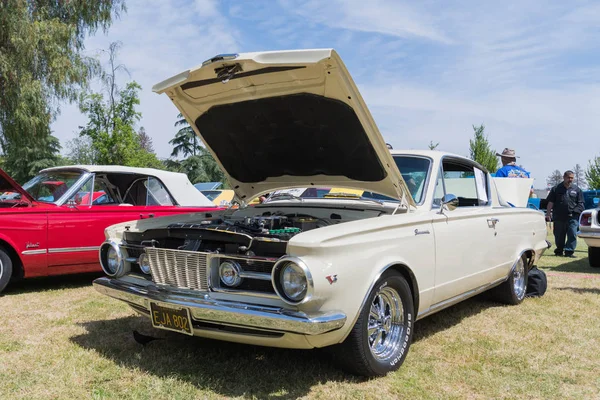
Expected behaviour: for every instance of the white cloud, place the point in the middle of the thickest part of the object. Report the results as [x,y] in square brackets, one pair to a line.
[428,70]
[390,18]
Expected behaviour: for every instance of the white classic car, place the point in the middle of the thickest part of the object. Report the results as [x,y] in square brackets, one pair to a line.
[589,231]
[350,272]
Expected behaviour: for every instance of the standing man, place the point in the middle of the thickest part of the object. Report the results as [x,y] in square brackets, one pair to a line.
[565,203]
[510,169]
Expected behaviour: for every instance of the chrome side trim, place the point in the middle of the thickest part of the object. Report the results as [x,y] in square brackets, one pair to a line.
[457,299]
[73,249]
[33,252]
[203,308]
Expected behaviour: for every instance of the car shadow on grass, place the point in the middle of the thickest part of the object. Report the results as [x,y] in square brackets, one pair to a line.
[238,370]
[580,290]
[580,265]
[41,284]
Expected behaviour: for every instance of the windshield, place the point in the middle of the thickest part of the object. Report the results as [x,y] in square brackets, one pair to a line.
[414,170]
[50,186]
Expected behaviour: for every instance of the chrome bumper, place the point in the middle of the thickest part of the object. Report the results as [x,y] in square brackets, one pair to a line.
[243,315]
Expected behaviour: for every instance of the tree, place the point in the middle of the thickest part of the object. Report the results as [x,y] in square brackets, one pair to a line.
[433,146]
[111,122]
[82,151]
[185,140]
[592,174]
[25,161]
[41,64]
[579,174]
[200,166]
[145,140]
[480,149]
[554,178]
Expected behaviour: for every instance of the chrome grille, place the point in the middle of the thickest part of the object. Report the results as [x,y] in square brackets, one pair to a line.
[179,268]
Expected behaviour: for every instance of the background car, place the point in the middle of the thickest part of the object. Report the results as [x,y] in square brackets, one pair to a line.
[589,231]
[352,273]
[55,223]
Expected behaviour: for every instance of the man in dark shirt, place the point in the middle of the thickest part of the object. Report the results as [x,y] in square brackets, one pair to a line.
[565,203]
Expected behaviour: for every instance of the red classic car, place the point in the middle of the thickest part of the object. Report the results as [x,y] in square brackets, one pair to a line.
[54,224]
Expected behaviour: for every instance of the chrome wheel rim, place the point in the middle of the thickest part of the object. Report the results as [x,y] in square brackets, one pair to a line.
[519,279]
[385,325]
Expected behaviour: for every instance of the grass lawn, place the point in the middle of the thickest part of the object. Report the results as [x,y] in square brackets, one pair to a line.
[59,339]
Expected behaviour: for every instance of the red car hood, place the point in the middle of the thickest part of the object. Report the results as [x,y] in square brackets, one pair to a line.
[7,183]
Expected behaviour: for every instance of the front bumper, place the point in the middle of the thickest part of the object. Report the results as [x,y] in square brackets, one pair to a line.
[234,314]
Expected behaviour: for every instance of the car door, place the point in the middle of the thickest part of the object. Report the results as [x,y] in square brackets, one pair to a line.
[465,247]
[76,229]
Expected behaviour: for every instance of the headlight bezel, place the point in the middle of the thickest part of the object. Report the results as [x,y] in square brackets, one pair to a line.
[104,249]
[278,286]
[141,258]
[236,276]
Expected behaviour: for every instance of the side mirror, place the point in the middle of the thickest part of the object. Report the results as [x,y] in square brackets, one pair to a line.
[450,202]
[71,203]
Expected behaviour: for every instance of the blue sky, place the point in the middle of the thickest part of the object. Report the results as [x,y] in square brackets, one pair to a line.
[428,70]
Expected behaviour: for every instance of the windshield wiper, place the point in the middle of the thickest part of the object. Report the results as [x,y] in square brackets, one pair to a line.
[351,196]
[284,196]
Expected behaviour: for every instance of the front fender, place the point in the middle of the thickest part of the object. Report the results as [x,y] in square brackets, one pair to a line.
[344,269]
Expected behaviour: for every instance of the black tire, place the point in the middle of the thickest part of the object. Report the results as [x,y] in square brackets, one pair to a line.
[5,269]
[359,354]
[594,257]
[513,290]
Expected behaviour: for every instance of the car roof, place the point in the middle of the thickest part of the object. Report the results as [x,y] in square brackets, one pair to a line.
[177,183]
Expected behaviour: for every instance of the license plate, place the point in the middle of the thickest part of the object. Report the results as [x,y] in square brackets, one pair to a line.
[170,318]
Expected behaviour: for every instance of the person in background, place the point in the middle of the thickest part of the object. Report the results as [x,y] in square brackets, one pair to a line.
[565,203]
[510,169]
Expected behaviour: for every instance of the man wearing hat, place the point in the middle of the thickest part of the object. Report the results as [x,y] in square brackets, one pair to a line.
[510,169]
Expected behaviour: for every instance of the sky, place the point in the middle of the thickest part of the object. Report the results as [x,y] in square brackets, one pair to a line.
[428,71]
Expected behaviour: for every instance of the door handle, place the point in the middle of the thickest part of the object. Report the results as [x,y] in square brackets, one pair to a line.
[492,222]
[145,216]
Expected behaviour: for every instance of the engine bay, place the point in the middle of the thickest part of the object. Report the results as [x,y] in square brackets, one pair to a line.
[253,231]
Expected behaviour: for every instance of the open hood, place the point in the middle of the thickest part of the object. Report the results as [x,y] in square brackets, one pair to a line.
[8,184]
[283,119]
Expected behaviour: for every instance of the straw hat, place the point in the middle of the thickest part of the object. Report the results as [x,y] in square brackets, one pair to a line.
[508,153]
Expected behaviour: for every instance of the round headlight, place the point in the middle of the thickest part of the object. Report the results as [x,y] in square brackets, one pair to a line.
[229,272]
[293,282]
[111,259]
[144,263]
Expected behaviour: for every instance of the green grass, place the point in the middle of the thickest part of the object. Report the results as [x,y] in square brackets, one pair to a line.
[59,339]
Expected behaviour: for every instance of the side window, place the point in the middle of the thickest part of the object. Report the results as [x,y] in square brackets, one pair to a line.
[463,181]
[102,195]
[83,196]
[157,195]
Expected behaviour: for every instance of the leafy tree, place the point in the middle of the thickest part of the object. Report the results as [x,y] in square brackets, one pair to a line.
[185,141]
[579,175]
[111,122]
[25,161]
[592,174]
[480,150]
[81,151]
[554,178]
[41,64]
[433,146]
